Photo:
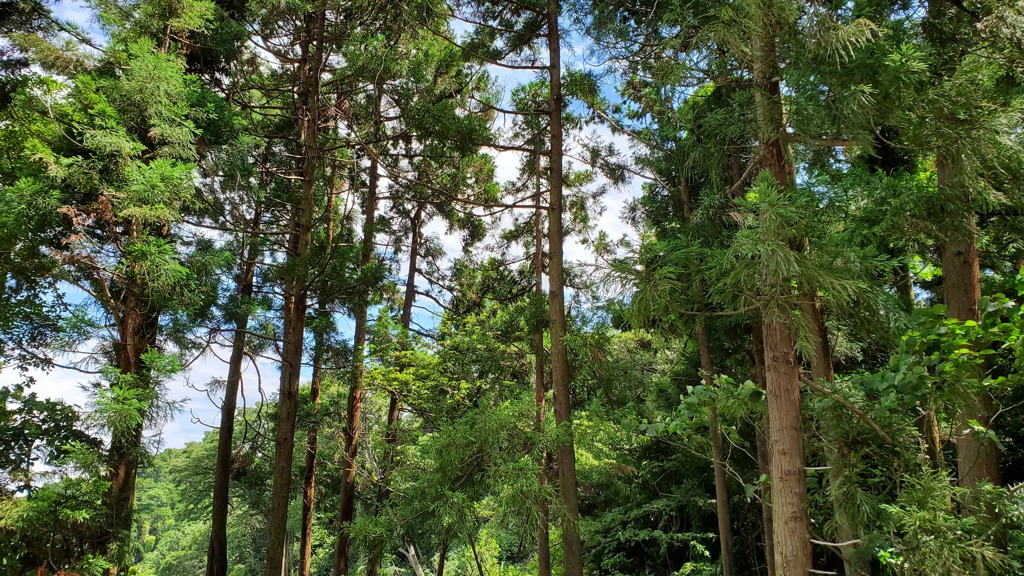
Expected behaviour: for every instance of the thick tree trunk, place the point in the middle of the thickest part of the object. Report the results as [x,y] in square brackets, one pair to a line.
[977,458]
[342,552]
[764,464]
[792,543]
[789,477]
[718,458]
[572,552]
[295,288]
[540,389]
[217,552]
[394,402]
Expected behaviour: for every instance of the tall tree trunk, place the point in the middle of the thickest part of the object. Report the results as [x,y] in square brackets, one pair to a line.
[312,445]
[539,387]
[217,552]
[137,333]
[847,522]
[394,402]
[764,464]
[977,458]
[707,369]
[295,288]
[764,467]
[323,322]
[342,558]
[792,543]
[572,552]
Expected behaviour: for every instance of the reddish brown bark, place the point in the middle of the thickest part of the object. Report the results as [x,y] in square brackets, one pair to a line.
[312,445]
[977,458]
[764,464]
[315,386]
[792,544]
[342,552]
[540,389]
[572,552]
[295,287]
[847,519]
[791,535]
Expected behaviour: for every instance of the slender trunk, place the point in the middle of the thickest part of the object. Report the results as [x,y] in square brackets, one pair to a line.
[764,467]
[847,523]
[821,359]
[718,458]
[342,558]
[572,553]
[312,445]
[764,463]
[315,386]
[394,402]
[295,288]
[977,458]
[927,420]
[217,552]
[903,282]
[442,555]
[476,557]
[931,438]
[540,389]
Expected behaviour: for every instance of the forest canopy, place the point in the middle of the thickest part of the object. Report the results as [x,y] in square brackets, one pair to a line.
[394,229]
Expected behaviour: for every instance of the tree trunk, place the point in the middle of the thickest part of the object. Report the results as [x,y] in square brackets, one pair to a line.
[717,457]
[394,402]
[792,543]
[442,555]
[217,552]
[791,533]
[764,464]
[572,553]
[312,445]
[847,523]
[764,467]
[137,333]
[977,459]
[903,282]
[294,312]
[539,388]
[324,322]
[342,552]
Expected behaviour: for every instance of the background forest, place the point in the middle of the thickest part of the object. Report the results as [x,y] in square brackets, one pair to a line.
[799,351]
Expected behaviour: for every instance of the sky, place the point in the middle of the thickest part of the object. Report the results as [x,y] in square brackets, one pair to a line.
[200,411]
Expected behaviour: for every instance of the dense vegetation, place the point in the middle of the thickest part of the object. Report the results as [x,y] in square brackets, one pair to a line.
[804,356]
